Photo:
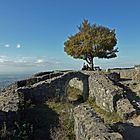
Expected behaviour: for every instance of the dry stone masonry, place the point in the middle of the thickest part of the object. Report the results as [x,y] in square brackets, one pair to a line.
[46,85]
[54,87]
[125,109]
[104,91]
[106,88]
[129,73]
[89,126]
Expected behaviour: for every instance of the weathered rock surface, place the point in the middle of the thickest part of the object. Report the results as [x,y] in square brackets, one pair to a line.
[104,91]
[96,84]
[39,88]
[88,126]
[53,88]
[9,99]
[46,85]
[125,109]
[114,76]
[129,74]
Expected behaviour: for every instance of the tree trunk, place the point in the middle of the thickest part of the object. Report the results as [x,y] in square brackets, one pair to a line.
[91,65]
[89,60]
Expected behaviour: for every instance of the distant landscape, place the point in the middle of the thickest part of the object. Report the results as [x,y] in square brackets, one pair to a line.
[7,79]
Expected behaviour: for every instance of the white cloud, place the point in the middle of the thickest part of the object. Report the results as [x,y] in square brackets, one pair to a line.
[4,45]
[18,46]
[39,61]
[22,61]
[3,59]
[7,45]
[8,63]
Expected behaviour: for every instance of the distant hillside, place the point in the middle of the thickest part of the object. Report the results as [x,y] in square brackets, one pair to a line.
[5,80]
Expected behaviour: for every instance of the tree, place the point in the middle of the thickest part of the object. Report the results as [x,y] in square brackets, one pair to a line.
[92,41]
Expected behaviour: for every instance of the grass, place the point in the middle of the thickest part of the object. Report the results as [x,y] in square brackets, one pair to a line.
[53,119]
[32,123]
[49,120]
[74,93]
[66,129]
[107,116]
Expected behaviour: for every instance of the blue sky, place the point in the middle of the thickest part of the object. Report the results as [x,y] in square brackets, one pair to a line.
[32,32]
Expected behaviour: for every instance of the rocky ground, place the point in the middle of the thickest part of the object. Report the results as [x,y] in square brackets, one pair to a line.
[131,127]
[99,118]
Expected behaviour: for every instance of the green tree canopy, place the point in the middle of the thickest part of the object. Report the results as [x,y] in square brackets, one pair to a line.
[92,41]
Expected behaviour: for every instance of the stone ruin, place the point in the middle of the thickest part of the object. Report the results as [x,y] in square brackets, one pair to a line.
[89,126]
[106,89]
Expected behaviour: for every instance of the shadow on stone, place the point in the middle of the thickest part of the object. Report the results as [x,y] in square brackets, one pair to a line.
[43,119]
[125,79]
[34,123]
[128,130]
[131,96]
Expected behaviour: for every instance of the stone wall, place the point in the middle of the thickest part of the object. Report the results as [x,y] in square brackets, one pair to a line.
[125,109]
[43,86]
[54,87]
[95,84]
[37,91]
[89,126]
[42,76]
[103,90]
[133,74]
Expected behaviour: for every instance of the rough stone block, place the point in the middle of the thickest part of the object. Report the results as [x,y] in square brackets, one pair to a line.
[89,126]
[125,109]
[104,91]
[115,77]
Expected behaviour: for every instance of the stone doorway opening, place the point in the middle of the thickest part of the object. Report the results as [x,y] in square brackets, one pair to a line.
[74,90]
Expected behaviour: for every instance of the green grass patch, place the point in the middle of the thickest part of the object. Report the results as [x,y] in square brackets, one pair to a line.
[107,116]
[64,110]
[74,93]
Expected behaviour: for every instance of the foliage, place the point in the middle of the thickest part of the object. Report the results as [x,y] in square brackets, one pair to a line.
[92,41]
